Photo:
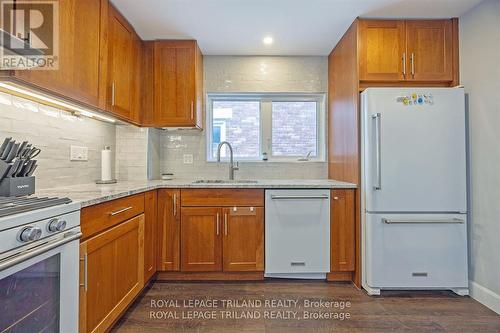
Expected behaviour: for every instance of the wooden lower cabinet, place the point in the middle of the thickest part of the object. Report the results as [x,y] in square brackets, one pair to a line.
[169,229]
[342,231]
[215,239]
[112,273]
[201,239]
[243,241]
[150,233]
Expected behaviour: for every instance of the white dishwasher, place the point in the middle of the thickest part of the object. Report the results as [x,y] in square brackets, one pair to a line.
[297,233]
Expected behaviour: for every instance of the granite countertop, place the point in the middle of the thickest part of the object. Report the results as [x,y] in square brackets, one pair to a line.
[91,194]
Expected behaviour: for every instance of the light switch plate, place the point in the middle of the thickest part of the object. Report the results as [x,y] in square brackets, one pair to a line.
[79,153]
[187,158]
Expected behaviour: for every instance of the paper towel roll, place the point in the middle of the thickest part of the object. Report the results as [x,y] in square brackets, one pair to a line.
[106,164]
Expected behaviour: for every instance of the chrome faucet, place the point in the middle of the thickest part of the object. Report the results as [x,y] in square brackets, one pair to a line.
[232,167]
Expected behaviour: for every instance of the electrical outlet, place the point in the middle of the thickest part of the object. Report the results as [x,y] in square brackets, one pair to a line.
[187,158]
[79,153]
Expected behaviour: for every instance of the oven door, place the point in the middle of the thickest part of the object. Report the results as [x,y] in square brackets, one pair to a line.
[39,287]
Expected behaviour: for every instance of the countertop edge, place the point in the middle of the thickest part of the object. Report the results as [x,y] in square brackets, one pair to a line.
[101,198]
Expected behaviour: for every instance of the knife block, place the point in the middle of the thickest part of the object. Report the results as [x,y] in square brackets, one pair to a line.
[17,186]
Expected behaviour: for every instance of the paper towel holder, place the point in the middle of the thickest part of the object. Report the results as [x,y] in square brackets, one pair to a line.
[109,181]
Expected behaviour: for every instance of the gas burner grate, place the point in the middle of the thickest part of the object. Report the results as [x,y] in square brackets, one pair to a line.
[16,205]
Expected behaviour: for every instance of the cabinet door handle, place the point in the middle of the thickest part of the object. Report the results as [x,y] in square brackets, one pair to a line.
[120,211]
[85,260]
[218,227]
[404,63]
[225,224]
[412,59]
[113,94]
[175,205]
[192,109]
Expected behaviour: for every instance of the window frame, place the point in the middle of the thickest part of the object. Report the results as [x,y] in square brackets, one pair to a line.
[265,123]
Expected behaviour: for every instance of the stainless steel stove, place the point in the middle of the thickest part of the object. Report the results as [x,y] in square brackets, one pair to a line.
[16,205]
[39,264]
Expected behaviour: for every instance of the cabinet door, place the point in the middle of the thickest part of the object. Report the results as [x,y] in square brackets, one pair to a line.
[201,239]
[243,244]
[113,274]
[342,231]
[169,212]
[79,41]
[175,83]
[120,50]
[430,50]
[382,50]
[150,234]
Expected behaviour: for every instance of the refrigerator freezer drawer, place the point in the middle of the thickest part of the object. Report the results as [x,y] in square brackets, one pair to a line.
[416,251]
[297,232]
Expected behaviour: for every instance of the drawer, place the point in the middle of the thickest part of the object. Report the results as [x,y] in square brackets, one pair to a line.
[222,197]
[100,217]
[416,251]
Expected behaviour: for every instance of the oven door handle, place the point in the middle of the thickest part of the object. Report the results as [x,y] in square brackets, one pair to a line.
[14,260]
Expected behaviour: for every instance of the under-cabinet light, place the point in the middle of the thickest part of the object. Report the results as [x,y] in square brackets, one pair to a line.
[40,97]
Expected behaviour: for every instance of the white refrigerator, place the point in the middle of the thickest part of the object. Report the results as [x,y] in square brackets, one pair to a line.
[414,189]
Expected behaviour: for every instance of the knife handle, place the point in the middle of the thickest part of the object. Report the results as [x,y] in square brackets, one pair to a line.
[13,152]
[7,150]
[32,170]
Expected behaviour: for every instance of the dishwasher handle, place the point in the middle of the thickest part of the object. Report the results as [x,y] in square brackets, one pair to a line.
[300,197]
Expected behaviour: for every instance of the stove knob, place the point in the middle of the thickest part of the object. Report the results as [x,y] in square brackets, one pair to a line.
[56,225]
[30,234]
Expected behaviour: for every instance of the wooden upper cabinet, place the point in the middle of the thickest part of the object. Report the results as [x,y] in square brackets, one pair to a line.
[79,41]
[169,229]
[381,51]
[405,51]
[342,231]
[201,239]
[430,47]
[178,84]
[243,241]
[111,274]
[119,66]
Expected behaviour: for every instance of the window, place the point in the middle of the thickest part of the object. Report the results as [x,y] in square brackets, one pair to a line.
[294,129]
[286,127]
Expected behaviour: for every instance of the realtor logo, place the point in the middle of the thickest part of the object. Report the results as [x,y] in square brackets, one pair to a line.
[29,35]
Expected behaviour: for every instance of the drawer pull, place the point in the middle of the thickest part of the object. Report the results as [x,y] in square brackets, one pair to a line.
[452,221]
[299,197]
[120,211]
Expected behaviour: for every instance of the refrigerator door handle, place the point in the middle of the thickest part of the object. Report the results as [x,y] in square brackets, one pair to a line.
[377,117]
[398,221]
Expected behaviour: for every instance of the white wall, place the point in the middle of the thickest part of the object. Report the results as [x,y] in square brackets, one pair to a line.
[480,73]
[247,74]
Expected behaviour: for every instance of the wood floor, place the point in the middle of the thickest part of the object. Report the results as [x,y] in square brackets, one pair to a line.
[391,312]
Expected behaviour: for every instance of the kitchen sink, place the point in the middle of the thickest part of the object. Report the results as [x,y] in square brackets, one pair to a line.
[224,181]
